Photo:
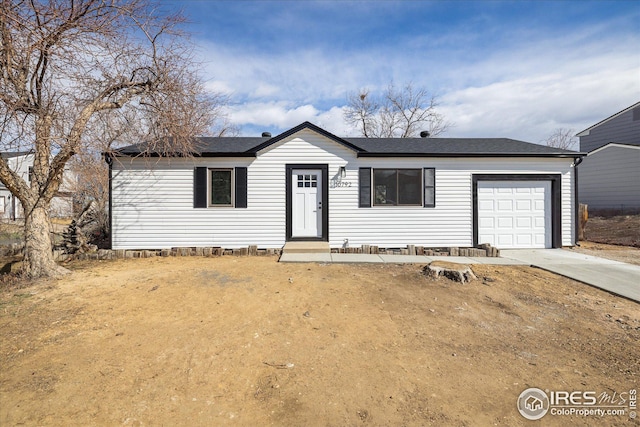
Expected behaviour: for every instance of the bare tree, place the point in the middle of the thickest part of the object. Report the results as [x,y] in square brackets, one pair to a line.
[91,195]
[562,138]
[65,68]
[402,113]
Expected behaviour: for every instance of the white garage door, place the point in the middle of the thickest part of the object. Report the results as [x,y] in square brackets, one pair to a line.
[514,214]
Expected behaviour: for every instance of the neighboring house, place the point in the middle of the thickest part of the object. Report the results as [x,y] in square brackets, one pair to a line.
[609,177]
[22,163]
[307,184]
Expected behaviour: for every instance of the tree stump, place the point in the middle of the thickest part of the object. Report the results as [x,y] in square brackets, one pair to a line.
[457,272]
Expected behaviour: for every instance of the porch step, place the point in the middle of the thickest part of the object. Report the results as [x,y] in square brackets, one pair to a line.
[306,248]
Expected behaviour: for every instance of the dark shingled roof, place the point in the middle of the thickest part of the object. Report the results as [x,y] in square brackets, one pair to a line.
[10,154]
[209,147]
[375,147]
[453,146]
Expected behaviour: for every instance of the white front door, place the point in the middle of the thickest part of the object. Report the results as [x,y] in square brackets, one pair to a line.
[306,203]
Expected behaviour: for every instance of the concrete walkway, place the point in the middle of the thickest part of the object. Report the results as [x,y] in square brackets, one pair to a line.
[613,276]
[392,259]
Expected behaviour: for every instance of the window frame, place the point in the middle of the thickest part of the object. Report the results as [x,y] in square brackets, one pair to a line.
[397,182]
[210,203]
[366,187]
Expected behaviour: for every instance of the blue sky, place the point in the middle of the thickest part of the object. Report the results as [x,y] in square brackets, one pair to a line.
[515,69]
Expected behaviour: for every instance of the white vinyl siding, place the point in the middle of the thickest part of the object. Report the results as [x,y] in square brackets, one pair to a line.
[153,200]
[450,222]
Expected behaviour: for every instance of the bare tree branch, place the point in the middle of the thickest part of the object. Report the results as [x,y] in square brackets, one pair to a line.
[399,113]
[562,138]
[69,67]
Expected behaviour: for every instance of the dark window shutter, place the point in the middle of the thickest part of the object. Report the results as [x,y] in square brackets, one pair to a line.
[429,188]
[365,187]
[241,187]
[200,188]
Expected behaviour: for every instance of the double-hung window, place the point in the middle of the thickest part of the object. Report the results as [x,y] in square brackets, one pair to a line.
[220,187]
[397,187]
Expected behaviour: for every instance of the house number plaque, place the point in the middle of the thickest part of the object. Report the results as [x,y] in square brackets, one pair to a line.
[338,183]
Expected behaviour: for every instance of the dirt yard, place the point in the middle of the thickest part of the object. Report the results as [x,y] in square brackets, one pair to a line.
[249,341]
[616,238]
[628,254]
[618,230]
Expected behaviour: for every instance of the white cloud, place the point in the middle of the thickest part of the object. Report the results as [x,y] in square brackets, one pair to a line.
[272,114]
[333,121]
[522,91]
[265,90]
[531,108]
[218,86]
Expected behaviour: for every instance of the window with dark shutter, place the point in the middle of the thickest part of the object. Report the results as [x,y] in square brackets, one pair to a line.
[220,187]
[220,190]
[397,187]
[200,187]
[241,188]
[365,187]
[429,188]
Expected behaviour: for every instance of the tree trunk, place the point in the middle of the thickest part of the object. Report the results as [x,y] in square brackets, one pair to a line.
[38,248]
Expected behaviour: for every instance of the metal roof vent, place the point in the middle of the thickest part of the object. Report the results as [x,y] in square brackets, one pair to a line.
[266,134]
[425,134]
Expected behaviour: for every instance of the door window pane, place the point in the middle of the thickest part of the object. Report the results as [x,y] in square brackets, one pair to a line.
[308,181]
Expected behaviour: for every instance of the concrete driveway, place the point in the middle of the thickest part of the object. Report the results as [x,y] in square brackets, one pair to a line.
[613,276]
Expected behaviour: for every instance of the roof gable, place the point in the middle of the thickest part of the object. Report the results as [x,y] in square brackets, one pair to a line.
[614,144]
[601,122]
[300,127]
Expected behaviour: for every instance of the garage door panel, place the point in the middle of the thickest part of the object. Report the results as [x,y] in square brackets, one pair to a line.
[523,205]
[524,239]
[487,222]
[486,205]
[505,205]
[504,240]
[505,222]
[514,214]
